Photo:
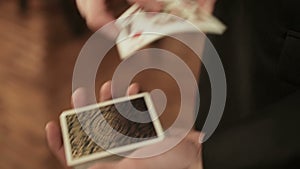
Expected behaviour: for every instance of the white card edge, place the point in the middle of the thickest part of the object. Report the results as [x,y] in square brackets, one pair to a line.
[153,115]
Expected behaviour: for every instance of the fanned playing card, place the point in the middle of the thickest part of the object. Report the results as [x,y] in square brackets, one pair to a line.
[140,28]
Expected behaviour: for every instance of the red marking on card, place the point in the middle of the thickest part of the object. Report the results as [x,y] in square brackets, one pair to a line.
[137,34]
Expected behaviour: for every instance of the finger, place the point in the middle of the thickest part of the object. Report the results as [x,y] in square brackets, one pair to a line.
[148,5]
[54,140]
[97,14]
[196,138]
[81,5]
[207,5]
[201,2]
[53,136]
[80,98]
[133,89]
[105,91]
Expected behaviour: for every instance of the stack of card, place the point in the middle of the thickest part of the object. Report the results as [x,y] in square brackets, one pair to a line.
[139,28]
[109,130]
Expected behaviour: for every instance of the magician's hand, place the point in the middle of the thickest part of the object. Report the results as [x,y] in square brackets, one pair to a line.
[185,155]
[97,14]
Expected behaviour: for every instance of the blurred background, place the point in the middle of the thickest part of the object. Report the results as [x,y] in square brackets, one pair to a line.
[39,43]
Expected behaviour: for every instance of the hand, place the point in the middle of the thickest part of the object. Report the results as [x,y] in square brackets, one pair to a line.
[97,14]
[185,155]
[79,98]
[207,5]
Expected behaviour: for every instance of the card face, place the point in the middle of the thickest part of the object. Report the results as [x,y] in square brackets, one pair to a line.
[99,131]
[192,12]
[140,28]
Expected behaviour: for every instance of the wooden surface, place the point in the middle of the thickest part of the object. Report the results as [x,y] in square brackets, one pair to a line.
[37,55]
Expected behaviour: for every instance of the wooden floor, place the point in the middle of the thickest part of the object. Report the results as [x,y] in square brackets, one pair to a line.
[37,55]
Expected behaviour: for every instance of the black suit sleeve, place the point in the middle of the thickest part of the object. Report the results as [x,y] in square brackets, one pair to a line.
[270,140]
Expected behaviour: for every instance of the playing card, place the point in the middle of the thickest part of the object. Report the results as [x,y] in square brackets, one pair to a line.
[100,132]
[140,28]
[190,10]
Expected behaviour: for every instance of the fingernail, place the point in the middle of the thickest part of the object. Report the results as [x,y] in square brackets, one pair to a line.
[201,137]
[47,126]
[80,98]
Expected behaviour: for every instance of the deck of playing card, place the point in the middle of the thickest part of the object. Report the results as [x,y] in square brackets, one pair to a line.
[109,130]
[139,28]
